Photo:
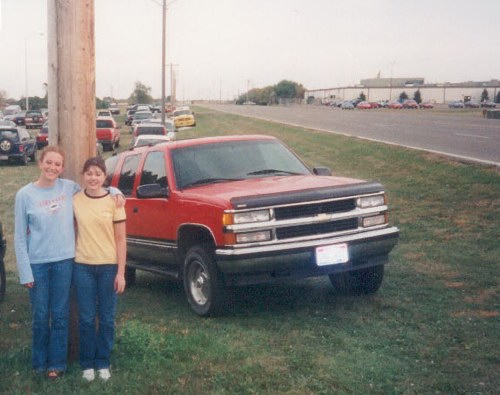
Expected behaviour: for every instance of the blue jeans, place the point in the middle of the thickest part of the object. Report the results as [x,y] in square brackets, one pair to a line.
[50,306]
[96,297]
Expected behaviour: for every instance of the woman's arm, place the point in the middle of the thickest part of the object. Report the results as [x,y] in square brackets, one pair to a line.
[121,255]
[21,241]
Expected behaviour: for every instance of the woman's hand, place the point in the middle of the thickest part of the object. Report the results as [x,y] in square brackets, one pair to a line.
[119,201]
[29,285]
[119,284]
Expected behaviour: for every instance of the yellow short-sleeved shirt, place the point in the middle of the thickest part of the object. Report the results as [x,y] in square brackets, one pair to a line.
[96,216]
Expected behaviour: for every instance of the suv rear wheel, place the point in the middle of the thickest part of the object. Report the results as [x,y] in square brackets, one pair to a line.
[362,281]
[203,282]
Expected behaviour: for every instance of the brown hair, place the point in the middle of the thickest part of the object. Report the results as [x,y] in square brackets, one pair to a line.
[96,161]
[52,148]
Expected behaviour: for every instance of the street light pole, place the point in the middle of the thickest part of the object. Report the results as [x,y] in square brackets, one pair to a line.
[163,45]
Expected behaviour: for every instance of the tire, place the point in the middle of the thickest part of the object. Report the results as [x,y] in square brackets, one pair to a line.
[5,146]
[130,276]
[2,280]
[23,160]
[203,282]
[362,281]
[33,156]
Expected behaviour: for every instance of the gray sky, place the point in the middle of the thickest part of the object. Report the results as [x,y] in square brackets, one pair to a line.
[222,47]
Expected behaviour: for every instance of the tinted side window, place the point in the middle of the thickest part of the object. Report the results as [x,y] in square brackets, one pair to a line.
[127,174]
[154,170]
[110,169]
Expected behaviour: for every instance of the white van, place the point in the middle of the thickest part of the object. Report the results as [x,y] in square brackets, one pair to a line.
[12,109]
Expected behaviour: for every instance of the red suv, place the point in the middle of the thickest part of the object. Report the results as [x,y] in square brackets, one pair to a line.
[236,210]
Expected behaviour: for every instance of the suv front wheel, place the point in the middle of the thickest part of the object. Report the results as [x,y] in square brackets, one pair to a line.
[203,281]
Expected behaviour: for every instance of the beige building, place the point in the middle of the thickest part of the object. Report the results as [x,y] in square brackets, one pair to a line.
[376,89]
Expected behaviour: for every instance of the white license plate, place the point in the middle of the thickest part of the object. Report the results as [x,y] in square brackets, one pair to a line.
[332,255]
[4,157]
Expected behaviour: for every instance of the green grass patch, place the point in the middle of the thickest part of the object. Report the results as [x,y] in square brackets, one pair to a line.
[431,328]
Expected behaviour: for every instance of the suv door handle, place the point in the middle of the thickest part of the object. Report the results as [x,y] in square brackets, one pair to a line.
[135,210]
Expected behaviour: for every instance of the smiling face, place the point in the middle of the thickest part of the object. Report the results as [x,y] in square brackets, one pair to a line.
[93,179]
[51,166]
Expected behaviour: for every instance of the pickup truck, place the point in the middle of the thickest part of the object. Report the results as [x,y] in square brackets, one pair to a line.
[107,133]
[226,211]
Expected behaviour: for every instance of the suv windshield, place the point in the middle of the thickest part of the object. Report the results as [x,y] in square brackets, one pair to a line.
[237,160]
[104,123]
[159,130]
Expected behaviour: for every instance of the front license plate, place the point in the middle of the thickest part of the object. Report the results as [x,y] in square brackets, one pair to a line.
[332,255]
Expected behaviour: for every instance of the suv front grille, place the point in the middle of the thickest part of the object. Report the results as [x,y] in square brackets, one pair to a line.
[310,210]
[316,229]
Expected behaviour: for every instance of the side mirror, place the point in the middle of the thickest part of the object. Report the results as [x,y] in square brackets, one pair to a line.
[151,191]
[322,171]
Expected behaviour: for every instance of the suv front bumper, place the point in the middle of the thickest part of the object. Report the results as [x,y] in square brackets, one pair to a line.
[298,260]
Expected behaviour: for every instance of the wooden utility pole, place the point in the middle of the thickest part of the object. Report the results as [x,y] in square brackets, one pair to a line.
[71,94]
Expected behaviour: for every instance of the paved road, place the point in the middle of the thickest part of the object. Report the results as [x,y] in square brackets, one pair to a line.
[464,135]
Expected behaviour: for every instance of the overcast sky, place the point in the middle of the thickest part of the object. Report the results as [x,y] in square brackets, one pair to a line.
[222,47]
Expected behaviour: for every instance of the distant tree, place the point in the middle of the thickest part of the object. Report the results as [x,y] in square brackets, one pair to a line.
[3,98]
[141,94]
[101,104]
[497,100]
[417,96]
[289,90]
[484,95]
[35,102]
[403,96]
[362,96]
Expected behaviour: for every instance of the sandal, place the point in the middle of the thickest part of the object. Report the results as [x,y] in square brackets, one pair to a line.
[54,374]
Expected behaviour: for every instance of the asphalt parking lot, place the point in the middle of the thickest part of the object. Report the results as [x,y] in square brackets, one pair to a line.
[463,134]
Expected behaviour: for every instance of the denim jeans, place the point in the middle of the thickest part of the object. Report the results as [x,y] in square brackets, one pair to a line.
[96,297]
[50,307]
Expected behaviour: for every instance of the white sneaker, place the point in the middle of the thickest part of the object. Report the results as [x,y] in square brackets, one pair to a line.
[88,374]
[104,374]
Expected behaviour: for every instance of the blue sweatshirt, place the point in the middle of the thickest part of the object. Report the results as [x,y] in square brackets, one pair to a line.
[44,230]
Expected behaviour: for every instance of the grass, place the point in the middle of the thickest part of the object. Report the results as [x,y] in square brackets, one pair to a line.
[431,328]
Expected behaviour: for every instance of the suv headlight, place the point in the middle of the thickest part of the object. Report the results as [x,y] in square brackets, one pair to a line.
[371,201]
[246,217]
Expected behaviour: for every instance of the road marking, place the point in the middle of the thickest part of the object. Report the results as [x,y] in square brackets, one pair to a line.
[471,135]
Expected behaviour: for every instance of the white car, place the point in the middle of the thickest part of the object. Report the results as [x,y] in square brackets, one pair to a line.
[104,114]
[150,139]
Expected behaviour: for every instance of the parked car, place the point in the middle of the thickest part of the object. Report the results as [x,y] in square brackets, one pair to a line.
[456,104]
[150,139]
[12,109]
[472,104]
[107,133]
[225,211]
[346,105]
[426,105]
[34,119]
[5,123]
[114,109]
[395,105]
[140,116]
[411,104]
[3,249]
[183,117]
[19,118]
[16,144]
[149,128]
[104,114]
[363,105]
[42,137]
[488,104]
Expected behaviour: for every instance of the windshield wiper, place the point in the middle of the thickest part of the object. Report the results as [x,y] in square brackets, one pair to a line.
[210,181]
[271,171]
